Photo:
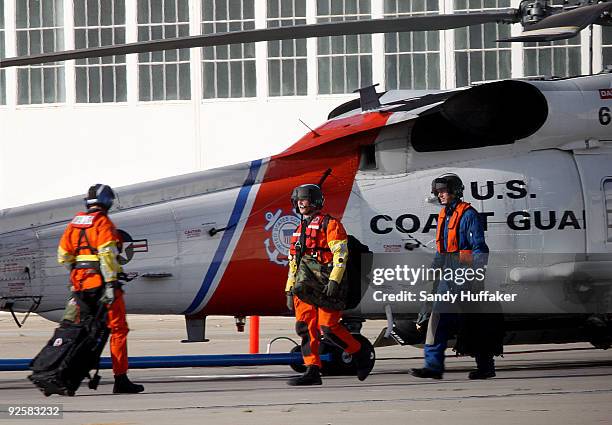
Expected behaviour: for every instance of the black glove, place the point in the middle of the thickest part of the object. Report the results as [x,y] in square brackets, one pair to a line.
[424,316]
[332,289]
[126,277]
[289,300]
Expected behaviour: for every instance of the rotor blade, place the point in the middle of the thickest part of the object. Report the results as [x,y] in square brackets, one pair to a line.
[404,24]
[563,24]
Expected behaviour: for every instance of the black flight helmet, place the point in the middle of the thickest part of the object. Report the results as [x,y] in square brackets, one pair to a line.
[312,192]
[100,195]
[451,182]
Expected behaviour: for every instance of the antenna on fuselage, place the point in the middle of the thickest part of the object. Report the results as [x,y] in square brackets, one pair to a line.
[324,177]
[368,98]
[308,127]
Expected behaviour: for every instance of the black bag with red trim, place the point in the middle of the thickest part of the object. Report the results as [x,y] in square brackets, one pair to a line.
[70,355]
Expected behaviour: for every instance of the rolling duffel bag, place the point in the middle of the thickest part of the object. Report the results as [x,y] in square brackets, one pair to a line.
[70,355]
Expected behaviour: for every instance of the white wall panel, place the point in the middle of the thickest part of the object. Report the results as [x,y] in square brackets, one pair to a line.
[53,152]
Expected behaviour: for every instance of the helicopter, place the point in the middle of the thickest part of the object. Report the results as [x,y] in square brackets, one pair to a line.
[534,155]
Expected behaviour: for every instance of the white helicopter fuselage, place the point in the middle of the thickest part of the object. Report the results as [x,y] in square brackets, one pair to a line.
[215,242]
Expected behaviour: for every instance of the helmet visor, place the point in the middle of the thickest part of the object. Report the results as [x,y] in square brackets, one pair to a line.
[303,193]
[439,185]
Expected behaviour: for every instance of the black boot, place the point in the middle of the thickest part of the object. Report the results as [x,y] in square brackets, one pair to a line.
[425,372]
[481,374]
[312,376]
[123,385]
[364,360]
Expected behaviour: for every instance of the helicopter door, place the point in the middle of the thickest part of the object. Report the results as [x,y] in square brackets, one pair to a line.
[596,180]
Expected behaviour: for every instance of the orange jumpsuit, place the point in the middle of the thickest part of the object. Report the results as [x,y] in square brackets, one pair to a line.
[330,244]
[89,248]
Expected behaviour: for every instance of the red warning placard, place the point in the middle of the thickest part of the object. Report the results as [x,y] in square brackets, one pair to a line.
[605,93]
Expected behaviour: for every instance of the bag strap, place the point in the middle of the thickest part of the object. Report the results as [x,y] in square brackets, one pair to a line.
[325,222]
[323,228]
[299,253]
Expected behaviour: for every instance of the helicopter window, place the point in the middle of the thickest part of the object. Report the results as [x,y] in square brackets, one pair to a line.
[96,83]
[228,71]
[608,205]
[344,63]
[367,160]
[163,75]
[40,28]
[389,155]
[287,68]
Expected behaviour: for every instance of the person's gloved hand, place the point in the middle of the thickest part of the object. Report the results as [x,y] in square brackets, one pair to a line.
[109,294]
[423,317]
[332,289]
[289,300]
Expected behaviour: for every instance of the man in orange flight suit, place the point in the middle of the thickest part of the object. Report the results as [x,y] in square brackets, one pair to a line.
[327,244]
[89,248]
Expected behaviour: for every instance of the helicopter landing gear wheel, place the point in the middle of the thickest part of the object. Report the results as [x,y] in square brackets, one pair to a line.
[342,363]
[299,368]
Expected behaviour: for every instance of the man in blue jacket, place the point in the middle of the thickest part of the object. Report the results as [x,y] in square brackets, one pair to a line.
[460,244]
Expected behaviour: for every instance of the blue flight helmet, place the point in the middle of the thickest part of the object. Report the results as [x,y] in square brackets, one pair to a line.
[312,192]
[100,195]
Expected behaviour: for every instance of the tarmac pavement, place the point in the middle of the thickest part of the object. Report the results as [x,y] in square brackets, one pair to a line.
[552,384]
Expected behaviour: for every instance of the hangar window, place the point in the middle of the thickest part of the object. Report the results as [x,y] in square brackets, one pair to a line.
[608,205]
[344,62]
[557,58]
[287,58]
[478,57]
[163,75]
[228,71]
[606,41]
[2,53]
[412,59]
[40,29]
[100,23]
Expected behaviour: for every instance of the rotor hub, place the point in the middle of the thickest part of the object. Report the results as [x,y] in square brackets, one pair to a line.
[533,11]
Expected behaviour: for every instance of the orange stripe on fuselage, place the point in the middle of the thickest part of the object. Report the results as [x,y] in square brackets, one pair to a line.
[252,284]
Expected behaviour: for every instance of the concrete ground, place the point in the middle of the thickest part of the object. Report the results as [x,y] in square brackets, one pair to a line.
[560,384]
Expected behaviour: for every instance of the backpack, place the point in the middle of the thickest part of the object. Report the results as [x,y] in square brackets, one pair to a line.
[358,268]
[313,277]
